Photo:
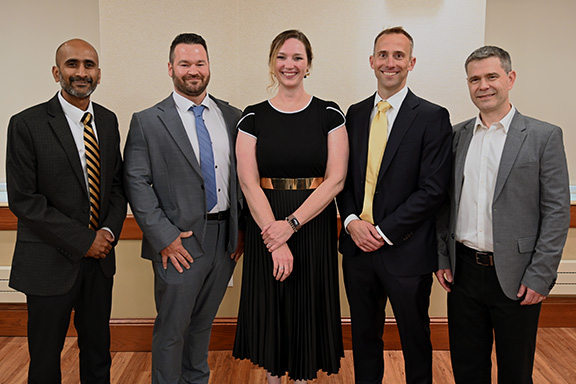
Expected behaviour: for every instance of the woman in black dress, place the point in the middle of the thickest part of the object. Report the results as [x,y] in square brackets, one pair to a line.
[292,156]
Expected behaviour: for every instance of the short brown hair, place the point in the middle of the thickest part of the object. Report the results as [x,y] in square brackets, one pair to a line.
[399,30]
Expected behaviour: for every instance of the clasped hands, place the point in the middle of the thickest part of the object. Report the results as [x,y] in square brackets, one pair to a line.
[275,235]
[365,235]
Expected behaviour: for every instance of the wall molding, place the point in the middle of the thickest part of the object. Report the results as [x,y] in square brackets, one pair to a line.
[135,334]
[131,231]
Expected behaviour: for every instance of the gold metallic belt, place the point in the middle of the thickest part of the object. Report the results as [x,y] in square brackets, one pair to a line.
[291,184]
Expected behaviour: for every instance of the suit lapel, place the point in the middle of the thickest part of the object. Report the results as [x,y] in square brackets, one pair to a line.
[106,148]
[230,122]
[61,128]
[514,140]
[461,144]
[402,123]
[171,120]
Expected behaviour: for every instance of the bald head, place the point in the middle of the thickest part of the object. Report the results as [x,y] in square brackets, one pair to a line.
[77,71]
[76,45]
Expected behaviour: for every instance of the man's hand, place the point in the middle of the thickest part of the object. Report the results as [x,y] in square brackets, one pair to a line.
[276,233]
[445,279]
[532,297]
[365,235]
[101,246]
[177,254]
[239,248]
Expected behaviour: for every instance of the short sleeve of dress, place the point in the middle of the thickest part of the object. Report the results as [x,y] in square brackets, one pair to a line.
[334,118]
[246,124]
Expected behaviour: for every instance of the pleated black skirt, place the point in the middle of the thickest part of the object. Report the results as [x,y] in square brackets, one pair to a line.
[293,326]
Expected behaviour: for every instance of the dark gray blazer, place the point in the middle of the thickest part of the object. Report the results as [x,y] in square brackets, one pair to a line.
[531,207]
[47,192]
[164,181]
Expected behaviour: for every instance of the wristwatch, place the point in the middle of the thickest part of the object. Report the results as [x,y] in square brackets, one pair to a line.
[294,223]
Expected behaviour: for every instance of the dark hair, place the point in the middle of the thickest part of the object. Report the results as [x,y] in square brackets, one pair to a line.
[396,31]
[280,40]
[186,38]
[491,51]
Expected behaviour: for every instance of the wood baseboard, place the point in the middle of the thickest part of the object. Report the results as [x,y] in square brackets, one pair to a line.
[135,335]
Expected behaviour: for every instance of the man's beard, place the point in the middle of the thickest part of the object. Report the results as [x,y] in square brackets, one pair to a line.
[69,88]
[191,90]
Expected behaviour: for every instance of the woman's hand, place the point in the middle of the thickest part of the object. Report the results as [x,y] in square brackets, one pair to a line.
[283,262]
[276,233]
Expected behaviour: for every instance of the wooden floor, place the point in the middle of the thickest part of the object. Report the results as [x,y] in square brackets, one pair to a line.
[555,364]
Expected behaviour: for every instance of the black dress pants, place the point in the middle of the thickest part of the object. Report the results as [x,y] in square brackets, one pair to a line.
[478,313]
[369,285]
[48,320]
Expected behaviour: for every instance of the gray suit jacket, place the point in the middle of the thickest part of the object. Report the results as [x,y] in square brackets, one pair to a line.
[47,192]
[531,206]
[164,181]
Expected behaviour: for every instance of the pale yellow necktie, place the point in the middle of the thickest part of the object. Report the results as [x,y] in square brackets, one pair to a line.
[376,146]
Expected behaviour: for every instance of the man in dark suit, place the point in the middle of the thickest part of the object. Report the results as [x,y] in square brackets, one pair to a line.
[182,187]
[397,177]
[64,176]
[508,222]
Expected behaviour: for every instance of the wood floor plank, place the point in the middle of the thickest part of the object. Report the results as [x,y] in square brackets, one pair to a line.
[555,363]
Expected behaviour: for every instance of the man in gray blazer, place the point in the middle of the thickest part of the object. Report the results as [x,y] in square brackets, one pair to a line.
[67,194]
[508,222]
[181,183]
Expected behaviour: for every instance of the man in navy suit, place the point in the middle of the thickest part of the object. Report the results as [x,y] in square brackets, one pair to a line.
[389,235]
[64,255]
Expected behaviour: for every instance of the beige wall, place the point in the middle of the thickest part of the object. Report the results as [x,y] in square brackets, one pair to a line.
[30,31]
[133,37]
[540,39]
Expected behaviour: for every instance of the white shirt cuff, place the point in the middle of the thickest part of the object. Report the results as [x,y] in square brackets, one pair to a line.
[354,217]
[109,230]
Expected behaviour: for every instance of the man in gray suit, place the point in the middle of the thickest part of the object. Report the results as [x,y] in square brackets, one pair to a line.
[509,218]
[181,183]
[64,176]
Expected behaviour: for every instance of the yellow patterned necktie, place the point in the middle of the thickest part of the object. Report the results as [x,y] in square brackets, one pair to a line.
[93,169]
[376,146]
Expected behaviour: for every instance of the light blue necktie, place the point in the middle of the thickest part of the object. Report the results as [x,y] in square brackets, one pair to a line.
[206,157]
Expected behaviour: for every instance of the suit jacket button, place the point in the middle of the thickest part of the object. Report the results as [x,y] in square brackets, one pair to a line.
[202,186]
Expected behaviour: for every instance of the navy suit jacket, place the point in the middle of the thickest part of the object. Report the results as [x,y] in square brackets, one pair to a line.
[412,182]
[48,193]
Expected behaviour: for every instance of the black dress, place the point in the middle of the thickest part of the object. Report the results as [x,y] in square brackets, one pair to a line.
[292,326]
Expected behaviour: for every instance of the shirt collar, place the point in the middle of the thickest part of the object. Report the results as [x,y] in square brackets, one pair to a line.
[185,104]
[395,100]
[72,112]
[504,123]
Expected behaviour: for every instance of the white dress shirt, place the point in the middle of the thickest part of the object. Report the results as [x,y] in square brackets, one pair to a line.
[395,102]
[216,126]
[474,219]
[74,117]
